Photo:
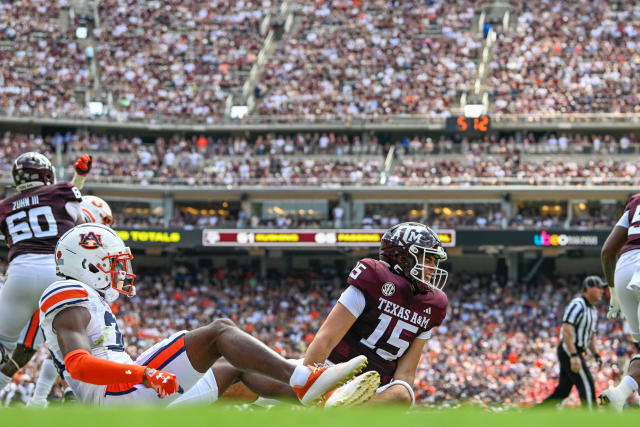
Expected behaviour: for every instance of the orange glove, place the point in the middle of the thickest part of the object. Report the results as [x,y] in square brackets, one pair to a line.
[83,165]
[164,383]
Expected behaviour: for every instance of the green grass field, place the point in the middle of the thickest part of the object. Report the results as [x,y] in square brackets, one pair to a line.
[300,417]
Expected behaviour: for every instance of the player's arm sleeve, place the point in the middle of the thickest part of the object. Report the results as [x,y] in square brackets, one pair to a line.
[78,180]
[82,366]
[624,220]
[353,300]
[75,212]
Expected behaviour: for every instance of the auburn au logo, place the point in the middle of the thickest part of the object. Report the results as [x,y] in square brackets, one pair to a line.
[90,240]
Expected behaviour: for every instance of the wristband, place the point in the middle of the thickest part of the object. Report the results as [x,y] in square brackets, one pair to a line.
[576,354]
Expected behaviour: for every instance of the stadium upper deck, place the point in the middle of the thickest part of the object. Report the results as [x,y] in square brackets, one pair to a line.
[187,62]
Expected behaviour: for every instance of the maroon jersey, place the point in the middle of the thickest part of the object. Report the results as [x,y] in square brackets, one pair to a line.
[392,318]
[633,233]
[32,221]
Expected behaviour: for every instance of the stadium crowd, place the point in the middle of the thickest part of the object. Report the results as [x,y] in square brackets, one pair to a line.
[496,346]
[343,159]
[348,59]
[177,59]
[41,61]
[180,61]
[567,57]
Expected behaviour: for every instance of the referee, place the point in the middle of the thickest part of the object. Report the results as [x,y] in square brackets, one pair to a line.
[578,333]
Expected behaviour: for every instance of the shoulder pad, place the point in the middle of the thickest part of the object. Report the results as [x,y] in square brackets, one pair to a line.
[61,294]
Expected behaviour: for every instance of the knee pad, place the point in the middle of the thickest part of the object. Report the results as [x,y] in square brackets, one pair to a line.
[405,385]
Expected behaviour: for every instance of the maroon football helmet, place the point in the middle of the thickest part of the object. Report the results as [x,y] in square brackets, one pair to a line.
[407,248]
[32,170]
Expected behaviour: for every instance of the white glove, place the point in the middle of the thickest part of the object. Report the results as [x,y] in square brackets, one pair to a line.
[614,305]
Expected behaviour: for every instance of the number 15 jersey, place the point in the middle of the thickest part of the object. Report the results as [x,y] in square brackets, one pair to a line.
[391,319]
[32,221]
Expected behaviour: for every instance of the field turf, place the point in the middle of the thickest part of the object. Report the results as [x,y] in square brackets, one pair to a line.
[298,417]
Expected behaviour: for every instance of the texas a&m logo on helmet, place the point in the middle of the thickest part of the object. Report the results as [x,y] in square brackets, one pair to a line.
[90,240]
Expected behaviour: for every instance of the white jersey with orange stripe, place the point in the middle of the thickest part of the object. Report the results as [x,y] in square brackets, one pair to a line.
[105,338]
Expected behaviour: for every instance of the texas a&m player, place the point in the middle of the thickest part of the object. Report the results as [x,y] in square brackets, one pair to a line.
[387,314]
[32,221]
[82,335]
[620,255]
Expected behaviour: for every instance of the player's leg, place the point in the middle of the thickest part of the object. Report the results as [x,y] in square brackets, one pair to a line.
[46,379]
[396,392]
[222,338]
[17,304]
[630,306]
[20,357]
[247,384]
[30,338]
[27,278]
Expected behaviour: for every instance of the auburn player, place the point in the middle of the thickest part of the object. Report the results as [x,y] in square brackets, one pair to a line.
[95,210]
[82,335]
[386,314]
[623,278]
[32,221]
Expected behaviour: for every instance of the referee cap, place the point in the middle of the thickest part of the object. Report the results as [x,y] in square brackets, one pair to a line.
[593,281]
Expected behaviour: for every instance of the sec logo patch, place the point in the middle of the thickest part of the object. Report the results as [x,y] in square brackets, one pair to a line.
[388,289]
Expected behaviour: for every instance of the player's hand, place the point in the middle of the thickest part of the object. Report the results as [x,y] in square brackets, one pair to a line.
[576,364]
[83,165]
[614,304]
[164,383]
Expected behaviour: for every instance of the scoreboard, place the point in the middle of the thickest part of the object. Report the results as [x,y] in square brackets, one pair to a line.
[301,238]
[465,124]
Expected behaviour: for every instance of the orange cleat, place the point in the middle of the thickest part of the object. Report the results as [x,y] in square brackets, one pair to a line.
[323,379]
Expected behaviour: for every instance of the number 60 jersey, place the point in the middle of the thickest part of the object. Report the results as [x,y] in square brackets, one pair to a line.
[32,221]
[392,318]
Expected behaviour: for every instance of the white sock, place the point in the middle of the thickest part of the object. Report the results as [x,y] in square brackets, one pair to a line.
[46,378]
[627,386]
[300,376]
[204,392]
[4,380]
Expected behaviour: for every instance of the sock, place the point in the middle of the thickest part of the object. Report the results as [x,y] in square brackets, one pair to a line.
[204,392]
[4,380]
[300,376]
[46,378]
[627,386]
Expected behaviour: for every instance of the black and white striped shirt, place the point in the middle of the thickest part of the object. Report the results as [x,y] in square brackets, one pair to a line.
[584,317]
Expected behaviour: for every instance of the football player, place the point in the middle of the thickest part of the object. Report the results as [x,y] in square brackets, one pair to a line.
[88,348]
[95,210]
[387,314]
[32,221]
[623,278]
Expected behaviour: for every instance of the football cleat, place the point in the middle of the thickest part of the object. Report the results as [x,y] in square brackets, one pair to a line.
[612,398]
[37,403]
[356,392]
[325,378]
